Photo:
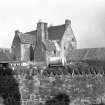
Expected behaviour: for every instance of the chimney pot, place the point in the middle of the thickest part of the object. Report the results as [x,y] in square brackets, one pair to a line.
[67,21]
[17,32]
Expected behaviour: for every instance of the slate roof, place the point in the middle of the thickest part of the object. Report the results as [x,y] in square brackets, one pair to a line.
[31,39]
[32,32]
[27,38]
[87,54]
[54,32]
[50,46]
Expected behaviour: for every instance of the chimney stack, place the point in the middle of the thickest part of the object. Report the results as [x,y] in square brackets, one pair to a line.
[42,34]
[46,32]
[17,32]
[67,23]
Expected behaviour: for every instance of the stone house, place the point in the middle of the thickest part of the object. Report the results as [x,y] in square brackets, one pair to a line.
[45,44]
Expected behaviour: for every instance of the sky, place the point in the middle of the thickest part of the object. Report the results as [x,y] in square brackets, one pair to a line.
[87,19]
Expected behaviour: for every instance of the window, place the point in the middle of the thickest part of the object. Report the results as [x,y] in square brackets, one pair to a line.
[73,39]
[54,51]
[64,48]
[31,53]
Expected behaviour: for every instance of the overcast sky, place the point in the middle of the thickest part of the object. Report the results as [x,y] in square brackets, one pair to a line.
[87,18]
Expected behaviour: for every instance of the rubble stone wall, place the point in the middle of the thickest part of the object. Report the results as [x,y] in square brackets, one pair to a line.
[37,88]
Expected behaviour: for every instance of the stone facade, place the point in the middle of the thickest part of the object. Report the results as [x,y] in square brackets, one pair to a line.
[80,88]
[16,47]
[68,41]
[45,42]
[25,52]
[40,51]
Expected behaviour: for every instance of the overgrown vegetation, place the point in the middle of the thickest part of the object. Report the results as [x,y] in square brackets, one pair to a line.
[9,88]
[83,82]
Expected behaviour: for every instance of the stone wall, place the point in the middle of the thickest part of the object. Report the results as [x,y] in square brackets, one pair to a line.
[25,52]
[39,53]
[36,88]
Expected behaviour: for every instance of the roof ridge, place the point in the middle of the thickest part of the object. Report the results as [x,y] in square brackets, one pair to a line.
[54,32]
[57,25]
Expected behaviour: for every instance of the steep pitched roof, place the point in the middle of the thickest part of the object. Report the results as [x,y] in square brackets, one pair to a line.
[87,54]
[54,32]
[50,46]
[31,39]
[27,38]
[32,32]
